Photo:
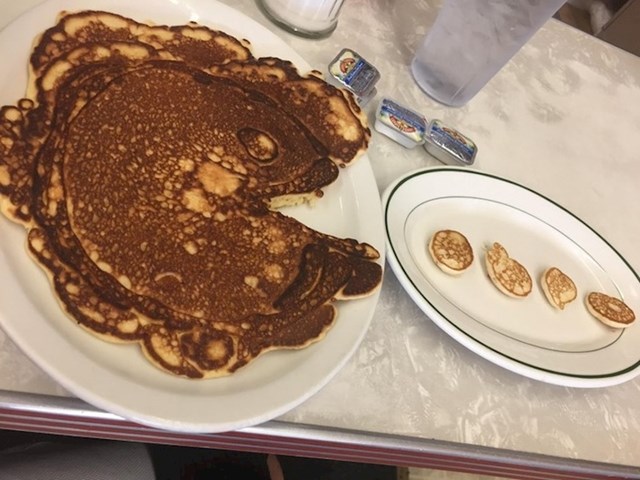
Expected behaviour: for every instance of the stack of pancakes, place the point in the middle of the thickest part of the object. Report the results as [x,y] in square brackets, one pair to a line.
[146,162]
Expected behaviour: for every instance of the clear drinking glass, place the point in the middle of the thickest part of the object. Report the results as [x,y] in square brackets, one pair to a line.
[308,18]
[471,40]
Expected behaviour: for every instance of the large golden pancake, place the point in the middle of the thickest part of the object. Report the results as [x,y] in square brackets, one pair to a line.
[327,111]
[146,185]
[195,44]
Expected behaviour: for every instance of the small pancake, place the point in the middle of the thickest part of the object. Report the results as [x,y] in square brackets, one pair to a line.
[558,287]
[610,310]
[451,251]
[507,274]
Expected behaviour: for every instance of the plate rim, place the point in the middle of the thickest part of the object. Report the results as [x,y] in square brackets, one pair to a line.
[469,341]
[365,190]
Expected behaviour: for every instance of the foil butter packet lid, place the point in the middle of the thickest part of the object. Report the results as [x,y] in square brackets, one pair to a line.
[349,70]
[448,145]
[403,125]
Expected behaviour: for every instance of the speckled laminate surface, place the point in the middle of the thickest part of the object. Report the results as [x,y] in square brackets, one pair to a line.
[562,118]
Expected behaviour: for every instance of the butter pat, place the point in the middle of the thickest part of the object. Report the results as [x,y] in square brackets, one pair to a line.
[448,145]
[349,70]
[401,124]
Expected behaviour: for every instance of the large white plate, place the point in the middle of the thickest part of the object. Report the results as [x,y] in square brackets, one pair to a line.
[117,378]
[566,347]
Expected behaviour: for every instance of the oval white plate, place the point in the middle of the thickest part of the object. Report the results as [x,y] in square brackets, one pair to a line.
[117,378]
[566,347]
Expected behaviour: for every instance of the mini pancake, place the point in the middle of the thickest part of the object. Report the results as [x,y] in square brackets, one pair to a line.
[507,274]
[451,251]
[558,287]
[611,311]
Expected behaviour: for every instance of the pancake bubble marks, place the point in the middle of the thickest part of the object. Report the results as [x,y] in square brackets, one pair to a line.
[147,164]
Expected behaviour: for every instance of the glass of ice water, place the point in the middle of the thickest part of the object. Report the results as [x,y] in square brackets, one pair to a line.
[471,40]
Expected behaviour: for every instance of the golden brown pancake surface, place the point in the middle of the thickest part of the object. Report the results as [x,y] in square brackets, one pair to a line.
[558,287]
[507,274]
[145,184]
[610,310]
[193,43]
[450,251]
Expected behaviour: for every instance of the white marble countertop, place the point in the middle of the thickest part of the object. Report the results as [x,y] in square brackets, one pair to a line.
[561,118]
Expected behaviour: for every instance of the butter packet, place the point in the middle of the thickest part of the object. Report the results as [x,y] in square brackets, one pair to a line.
[448,145]
[349,70]
[403,125]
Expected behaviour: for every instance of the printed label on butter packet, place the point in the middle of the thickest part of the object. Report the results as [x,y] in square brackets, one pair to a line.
[354,72]
[453,141]
[402,119]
